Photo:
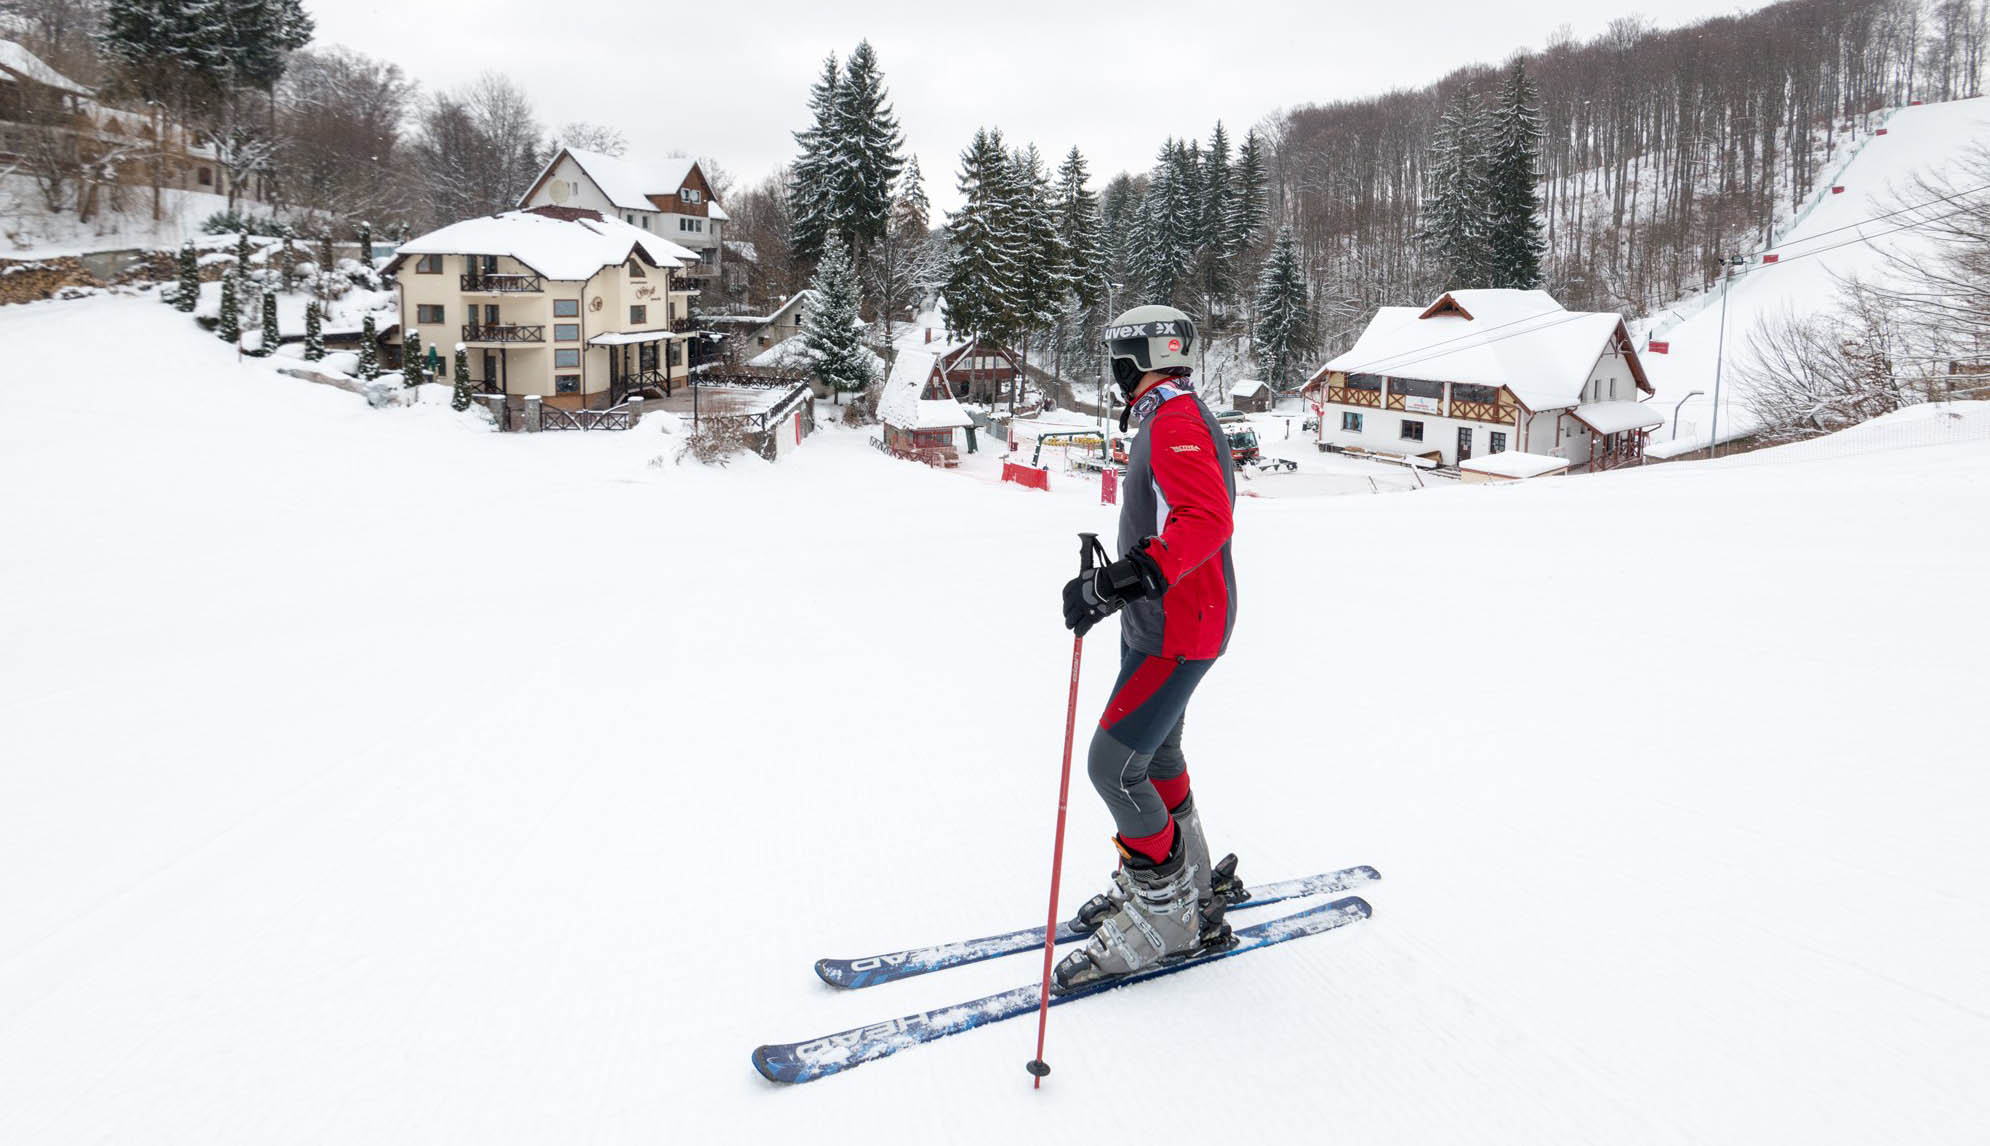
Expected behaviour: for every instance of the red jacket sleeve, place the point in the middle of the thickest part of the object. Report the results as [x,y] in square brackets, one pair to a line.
[1189,472]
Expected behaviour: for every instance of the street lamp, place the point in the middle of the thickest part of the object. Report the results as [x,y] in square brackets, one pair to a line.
[1675,412]
[1105,380]
[1720,351]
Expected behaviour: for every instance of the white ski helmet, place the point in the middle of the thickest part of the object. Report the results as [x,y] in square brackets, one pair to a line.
[1149,338]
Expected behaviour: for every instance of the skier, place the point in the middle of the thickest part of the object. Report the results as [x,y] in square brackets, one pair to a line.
[1177,590]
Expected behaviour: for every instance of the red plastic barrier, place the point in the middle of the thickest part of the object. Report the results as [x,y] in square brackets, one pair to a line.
[1658,346]
[1880,131]
[1837,190]
[1771,258]
[1109,486]
[1028,476]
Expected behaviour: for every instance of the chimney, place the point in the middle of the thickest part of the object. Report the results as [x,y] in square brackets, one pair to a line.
[929,336]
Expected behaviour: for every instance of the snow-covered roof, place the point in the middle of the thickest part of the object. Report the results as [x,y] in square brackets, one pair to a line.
[794,354]
[743,248]
[1616,417]
[1514,464]
[1247,388]
[14,58]
[1520,339]
[714,211]
[631,337]
[928,331]
[904,404]
[563,248]
[629,183]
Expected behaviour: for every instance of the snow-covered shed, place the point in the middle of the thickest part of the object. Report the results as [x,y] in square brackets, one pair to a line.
[1253,395]
[918,410]
[1485,371]
[1510,465]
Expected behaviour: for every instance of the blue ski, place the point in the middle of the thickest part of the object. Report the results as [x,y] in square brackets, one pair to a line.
[831,1054]
[895,965]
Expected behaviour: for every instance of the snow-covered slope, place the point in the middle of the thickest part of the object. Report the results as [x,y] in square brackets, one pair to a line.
[1931,140]
[370,777]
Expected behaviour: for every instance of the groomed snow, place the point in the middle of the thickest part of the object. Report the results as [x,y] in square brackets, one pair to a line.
[372,777]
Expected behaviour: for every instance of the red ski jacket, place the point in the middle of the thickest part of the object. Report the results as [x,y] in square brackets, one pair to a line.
[1181,487]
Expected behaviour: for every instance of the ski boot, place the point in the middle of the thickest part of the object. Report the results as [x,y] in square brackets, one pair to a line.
[1212,883]
[1162,920]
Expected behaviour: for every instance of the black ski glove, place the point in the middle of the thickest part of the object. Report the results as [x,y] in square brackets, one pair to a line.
[1092,596]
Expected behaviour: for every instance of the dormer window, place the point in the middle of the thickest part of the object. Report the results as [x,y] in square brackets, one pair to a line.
[636,270]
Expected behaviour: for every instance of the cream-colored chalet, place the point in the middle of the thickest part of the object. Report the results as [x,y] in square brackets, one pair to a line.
[1480,372]
[557,302]
[666,197]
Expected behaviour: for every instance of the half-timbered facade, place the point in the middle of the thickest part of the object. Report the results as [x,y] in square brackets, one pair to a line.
[1484,371]
[556,302]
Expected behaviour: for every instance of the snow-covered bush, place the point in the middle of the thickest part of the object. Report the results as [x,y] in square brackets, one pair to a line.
[715,439]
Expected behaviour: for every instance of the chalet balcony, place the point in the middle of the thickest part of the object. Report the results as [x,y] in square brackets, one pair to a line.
[503,333]
[1348,397]
[680,325]
[494,283]
[1500,413]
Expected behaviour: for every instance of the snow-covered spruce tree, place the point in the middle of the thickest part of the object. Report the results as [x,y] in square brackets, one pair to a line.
[271,338]
[868,152]
[366,244]
[287,261]
[414,371]
[1043,272]
[229,327]
[1247,213]
[459,398]
[243,252]
[831,327]
[1284,334]
[369,350]
[1514,246]
[326,262]
[1087,272]
[314,332]
[1456,202]
[187,294]
[815,183]
[911,212]
[981,275]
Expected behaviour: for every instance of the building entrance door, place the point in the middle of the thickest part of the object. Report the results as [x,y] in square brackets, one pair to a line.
[1464,442]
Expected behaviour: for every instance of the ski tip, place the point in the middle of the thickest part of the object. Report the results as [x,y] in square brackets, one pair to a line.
[1368,872]
[771,1065]
[830,972]
[1355,903]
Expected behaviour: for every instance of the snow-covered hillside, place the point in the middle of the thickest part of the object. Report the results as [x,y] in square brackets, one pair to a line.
[1823,248]
[371,777]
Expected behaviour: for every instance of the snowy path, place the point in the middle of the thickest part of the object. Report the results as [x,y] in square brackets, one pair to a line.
[370,778]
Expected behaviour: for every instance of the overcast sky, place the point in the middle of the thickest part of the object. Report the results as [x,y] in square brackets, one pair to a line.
[730,80]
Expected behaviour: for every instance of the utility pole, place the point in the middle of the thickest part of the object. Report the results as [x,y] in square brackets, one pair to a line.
[1720,350]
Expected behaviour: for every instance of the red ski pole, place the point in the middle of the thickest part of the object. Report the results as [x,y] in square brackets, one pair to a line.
[1088,544]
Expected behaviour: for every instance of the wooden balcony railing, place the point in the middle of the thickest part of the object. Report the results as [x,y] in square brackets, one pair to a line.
[1347,397]
[1502,412]
[494,283]
[504,332]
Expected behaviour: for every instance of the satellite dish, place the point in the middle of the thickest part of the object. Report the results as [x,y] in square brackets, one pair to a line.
[559,189]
